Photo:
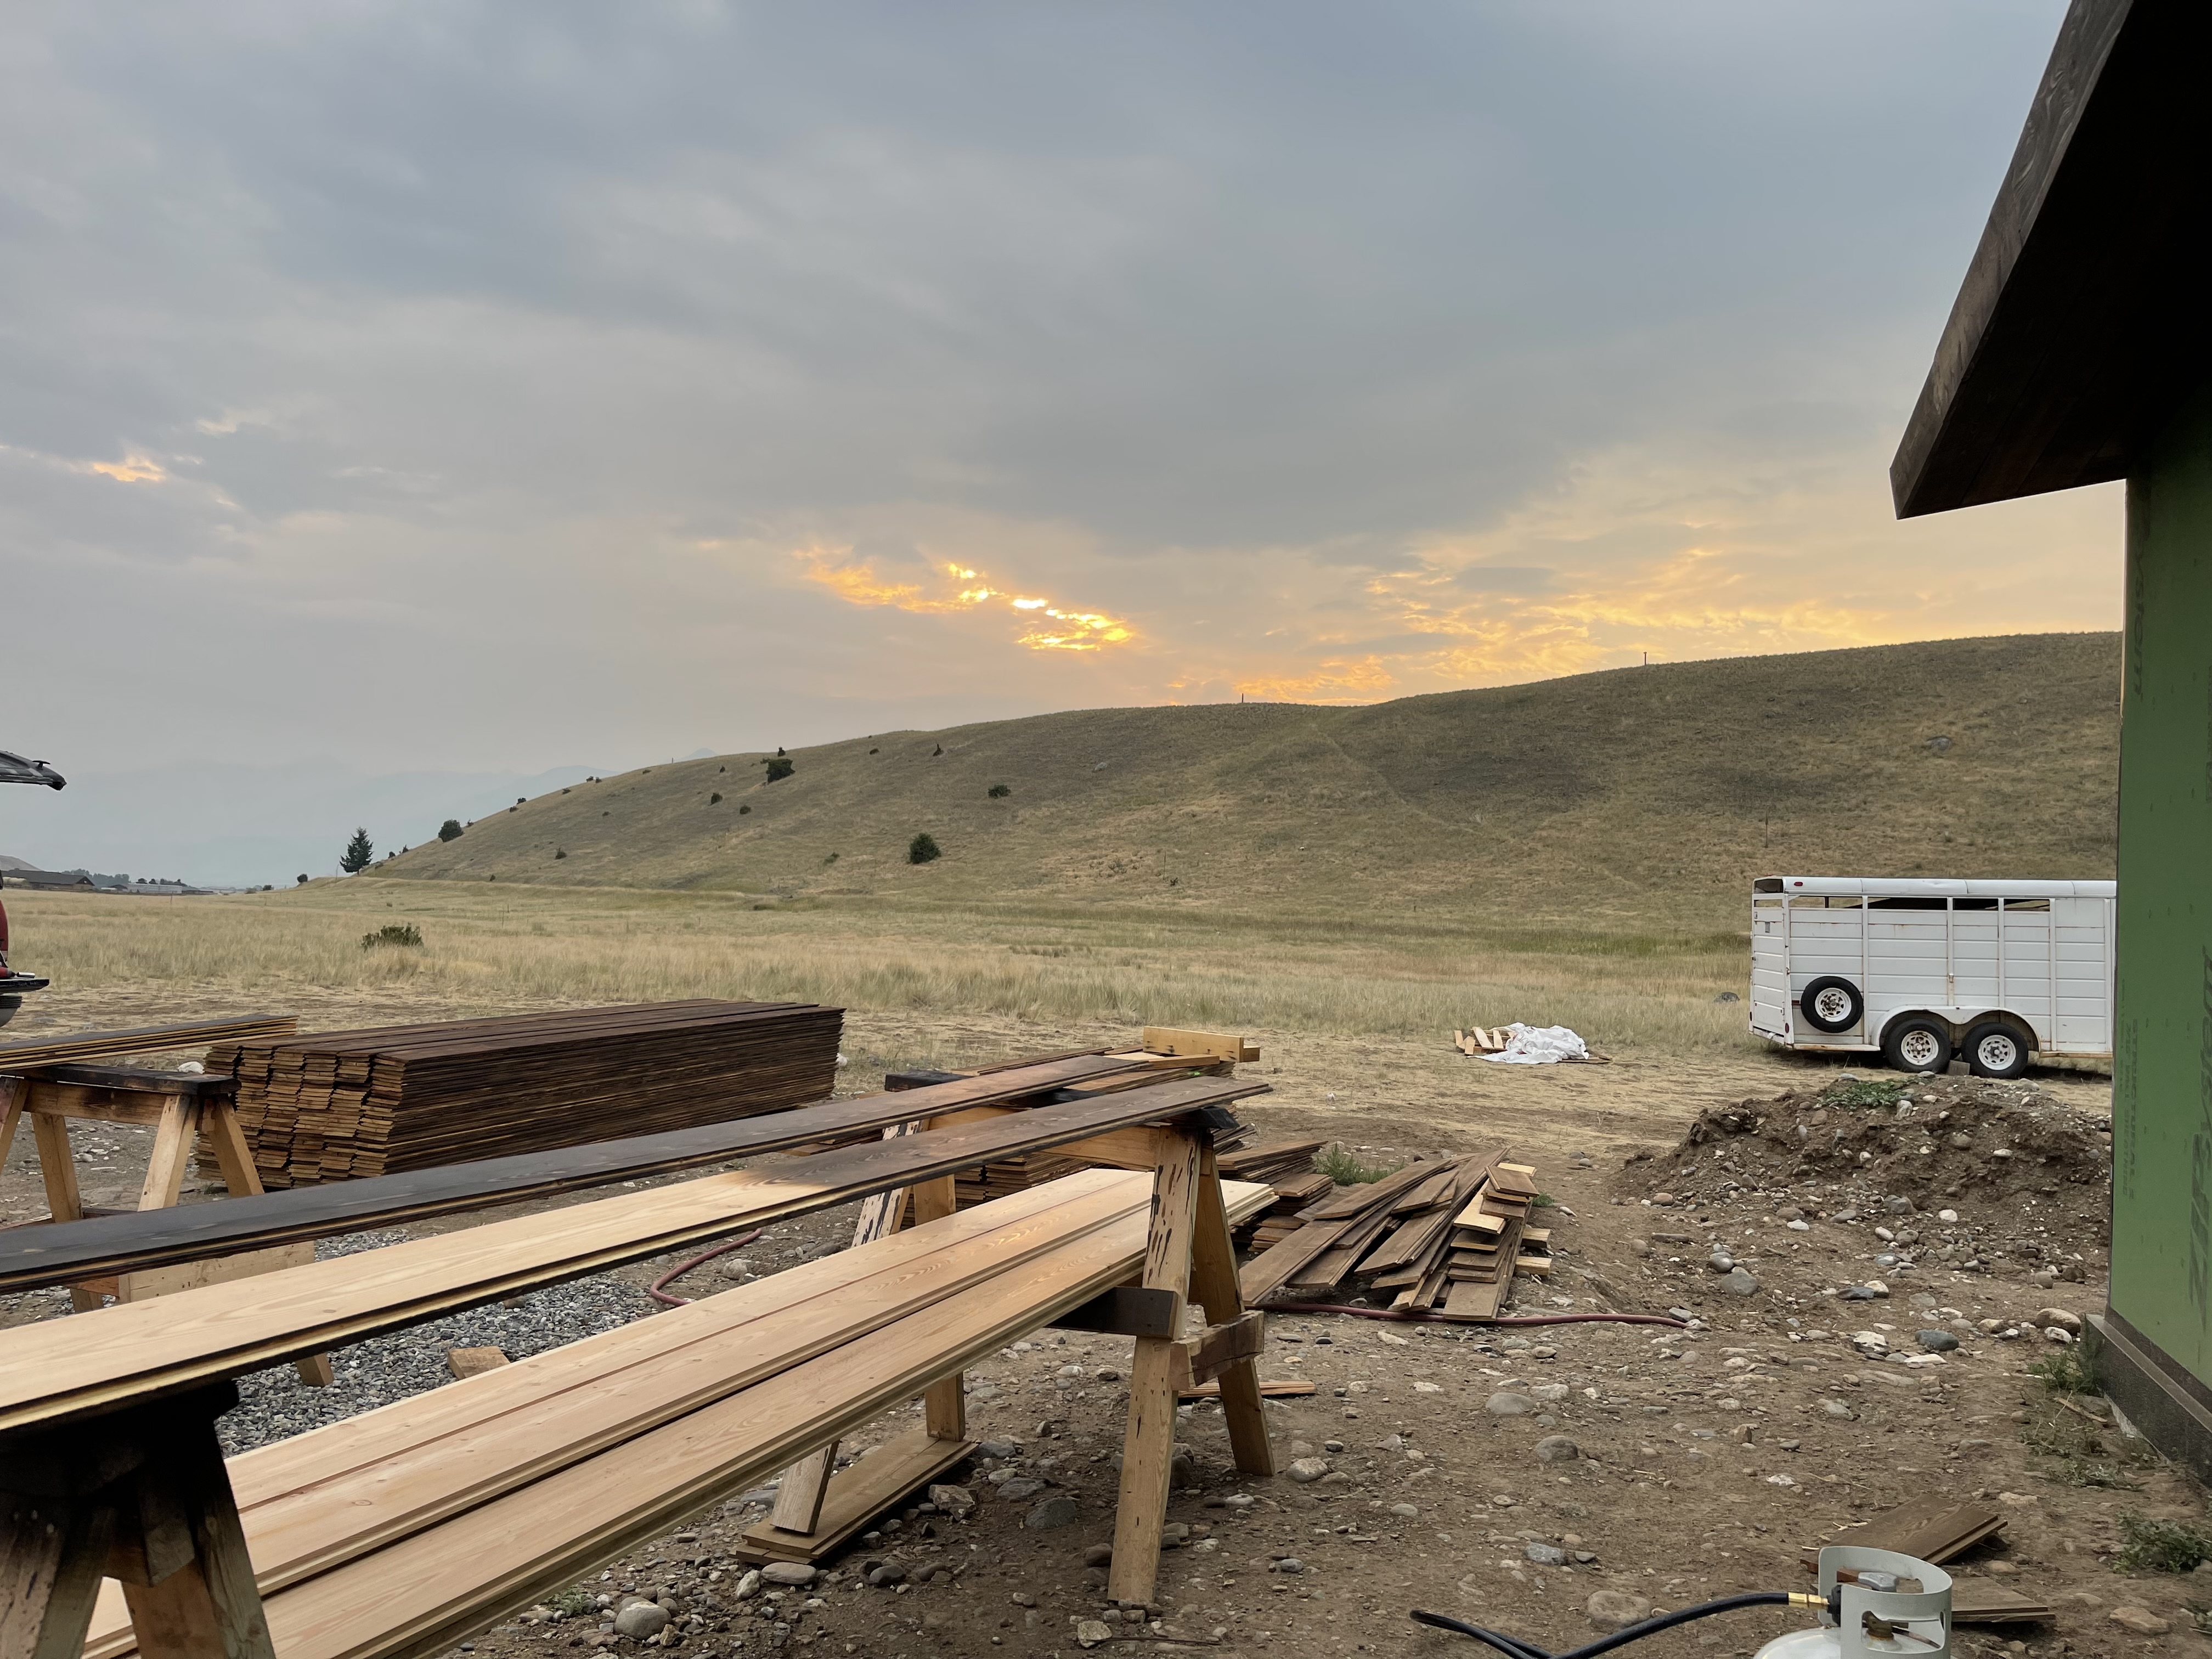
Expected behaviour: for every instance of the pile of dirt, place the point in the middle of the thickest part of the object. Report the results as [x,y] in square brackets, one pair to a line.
[2005,1147]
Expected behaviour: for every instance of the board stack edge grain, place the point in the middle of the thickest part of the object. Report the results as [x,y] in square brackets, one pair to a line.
[1443,1237]
[340,1105]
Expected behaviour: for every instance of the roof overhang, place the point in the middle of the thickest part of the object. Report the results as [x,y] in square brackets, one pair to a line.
[2084,317]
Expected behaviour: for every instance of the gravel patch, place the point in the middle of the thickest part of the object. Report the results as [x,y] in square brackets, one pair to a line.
[274,1405]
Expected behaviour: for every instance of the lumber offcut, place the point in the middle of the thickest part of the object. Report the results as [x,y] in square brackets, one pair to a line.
[344,1105]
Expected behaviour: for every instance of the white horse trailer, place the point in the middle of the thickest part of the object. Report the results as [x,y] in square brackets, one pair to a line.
[1924,971]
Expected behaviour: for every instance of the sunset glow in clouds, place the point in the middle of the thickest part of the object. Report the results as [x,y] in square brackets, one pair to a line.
[951,587]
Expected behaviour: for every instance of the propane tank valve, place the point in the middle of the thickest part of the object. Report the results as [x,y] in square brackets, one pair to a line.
[1864,1612]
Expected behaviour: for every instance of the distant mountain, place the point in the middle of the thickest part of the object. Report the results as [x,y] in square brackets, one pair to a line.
[239,826]
[1656,791]
[8,863]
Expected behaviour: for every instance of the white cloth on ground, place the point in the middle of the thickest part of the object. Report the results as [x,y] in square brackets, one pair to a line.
[1529,1045]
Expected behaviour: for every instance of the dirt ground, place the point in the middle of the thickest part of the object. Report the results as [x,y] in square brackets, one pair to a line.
[1707,1456]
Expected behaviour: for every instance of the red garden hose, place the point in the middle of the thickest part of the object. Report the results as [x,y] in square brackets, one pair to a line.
[658,1294]
[1412,1316]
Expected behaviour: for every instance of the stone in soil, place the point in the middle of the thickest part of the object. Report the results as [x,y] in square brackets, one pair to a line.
[1613,1609]
[2141,1620]
[1507,1404]
[640,1620]
[1545,1555]
[1557,1449]
[1051,1515]
[796,1574]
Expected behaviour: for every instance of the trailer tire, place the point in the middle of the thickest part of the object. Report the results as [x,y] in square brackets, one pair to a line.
[1995,1050]
[1916,1043]
[1832,1004]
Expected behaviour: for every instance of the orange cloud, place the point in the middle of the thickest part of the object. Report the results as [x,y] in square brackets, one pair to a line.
[1048,628]
[132,469]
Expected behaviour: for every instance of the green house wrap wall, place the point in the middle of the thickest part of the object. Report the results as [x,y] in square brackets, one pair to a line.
[2163,1067]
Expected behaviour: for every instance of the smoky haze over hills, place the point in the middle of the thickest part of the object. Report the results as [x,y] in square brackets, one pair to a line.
[1654,791]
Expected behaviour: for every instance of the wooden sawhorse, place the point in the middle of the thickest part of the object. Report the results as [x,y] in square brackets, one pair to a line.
[179,1107]
[1189,1256]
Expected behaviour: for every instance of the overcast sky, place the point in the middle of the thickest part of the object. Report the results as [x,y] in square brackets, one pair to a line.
[450,386]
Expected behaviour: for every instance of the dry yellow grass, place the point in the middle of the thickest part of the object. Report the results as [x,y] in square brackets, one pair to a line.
[489,948]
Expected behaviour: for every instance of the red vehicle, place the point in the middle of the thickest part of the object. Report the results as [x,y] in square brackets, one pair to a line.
[14,768]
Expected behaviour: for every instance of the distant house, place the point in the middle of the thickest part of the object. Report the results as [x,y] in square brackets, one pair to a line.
[51,881]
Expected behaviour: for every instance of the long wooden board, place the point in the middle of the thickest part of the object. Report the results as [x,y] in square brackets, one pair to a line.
[501,1555]
[140,1040]
[109,1244]
[67,1368]
[439,1454]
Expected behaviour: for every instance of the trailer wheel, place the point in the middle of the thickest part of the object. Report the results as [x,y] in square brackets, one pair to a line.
[1996,1050]
[1916,1043]
[1830,1003]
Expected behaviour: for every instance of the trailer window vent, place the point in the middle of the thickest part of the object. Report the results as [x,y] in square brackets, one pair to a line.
[2027,905]
[1907,902]
[1767,884]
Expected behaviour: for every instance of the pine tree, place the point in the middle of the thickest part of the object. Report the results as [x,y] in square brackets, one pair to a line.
[358,853]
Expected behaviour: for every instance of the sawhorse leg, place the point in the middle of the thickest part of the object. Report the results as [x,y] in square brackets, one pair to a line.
[1214,1283]
[142,1496]
[1148,1446]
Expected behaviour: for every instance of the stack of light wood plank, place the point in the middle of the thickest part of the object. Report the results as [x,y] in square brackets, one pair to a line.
[1441,1235]
[342,1105]
[1476,1041]
[144,1040]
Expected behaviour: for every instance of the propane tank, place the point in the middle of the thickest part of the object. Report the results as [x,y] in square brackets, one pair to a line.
[1871,1615]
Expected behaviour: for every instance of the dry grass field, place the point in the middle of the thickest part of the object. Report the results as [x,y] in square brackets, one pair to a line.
[1052,966]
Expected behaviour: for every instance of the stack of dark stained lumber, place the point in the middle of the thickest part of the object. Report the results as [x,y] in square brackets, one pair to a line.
[1444,1236]
[341,1105]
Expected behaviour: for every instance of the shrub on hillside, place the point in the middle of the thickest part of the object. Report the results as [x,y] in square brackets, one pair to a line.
[393,932]
[450,829]
[923,849]
[999,792]
[358,855]
[714,799]
[779,767]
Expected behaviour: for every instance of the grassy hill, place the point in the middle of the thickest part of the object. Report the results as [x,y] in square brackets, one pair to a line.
[1652,793]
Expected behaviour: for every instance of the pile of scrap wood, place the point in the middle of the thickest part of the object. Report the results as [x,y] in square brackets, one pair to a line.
[1476,1041]
[340,1105]
[1288,1167]
[1443,1235]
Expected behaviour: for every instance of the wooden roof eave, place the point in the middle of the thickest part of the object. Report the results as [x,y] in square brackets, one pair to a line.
[2080,321]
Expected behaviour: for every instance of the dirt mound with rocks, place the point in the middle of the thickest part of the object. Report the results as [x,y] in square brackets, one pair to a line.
[1862,1146]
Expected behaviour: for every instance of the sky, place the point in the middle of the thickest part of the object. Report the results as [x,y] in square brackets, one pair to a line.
[391,388]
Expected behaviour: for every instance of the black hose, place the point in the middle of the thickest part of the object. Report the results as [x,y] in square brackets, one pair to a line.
[1514,1648]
